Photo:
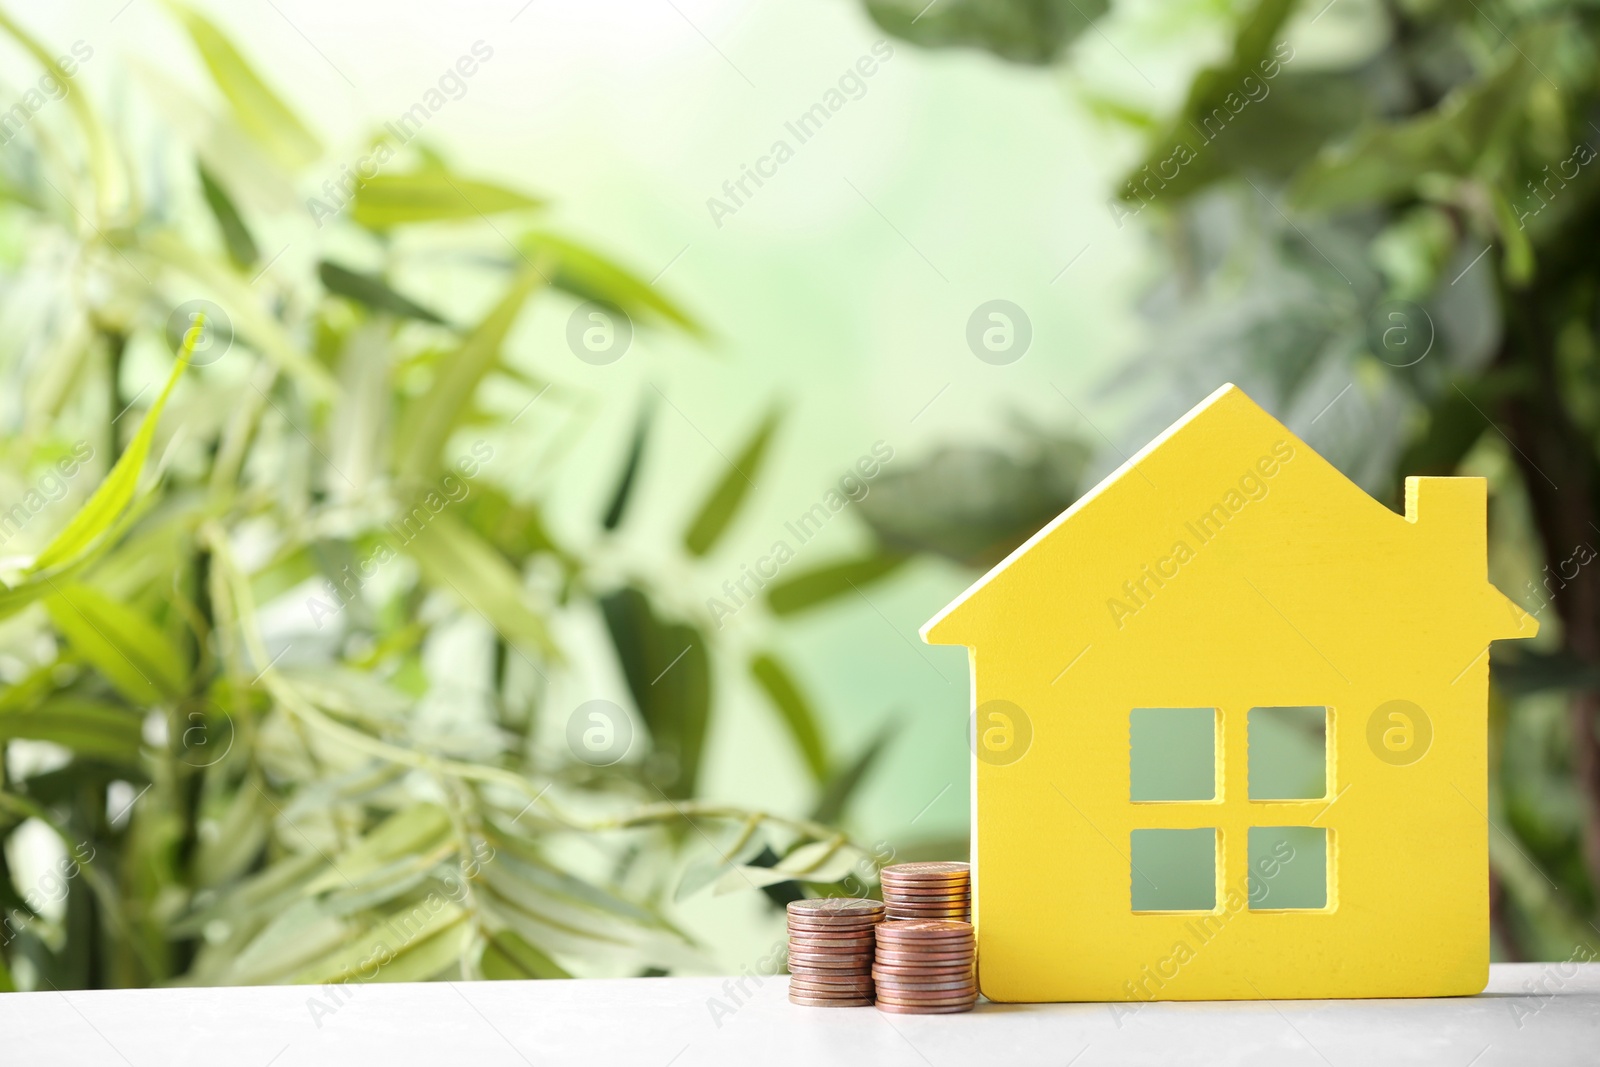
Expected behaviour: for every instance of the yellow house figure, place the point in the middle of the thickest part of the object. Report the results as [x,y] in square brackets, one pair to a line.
[1224,581]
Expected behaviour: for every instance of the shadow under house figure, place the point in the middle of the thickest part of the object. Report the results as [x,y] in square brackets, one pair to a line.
[1228,572]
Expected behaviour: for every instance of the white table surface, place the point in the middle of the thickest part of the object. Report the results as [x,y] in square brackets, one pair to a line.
[1536,1014]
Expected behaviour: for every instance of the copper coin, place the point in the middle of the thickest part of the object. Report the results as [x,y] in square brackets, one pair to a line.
[808,967]
[900,889]
[895,954]
[892,902]
[832,981]
[836,991]
[865,933]
[930,928]
[906,1009]
[958,1002]
[831,957]
[939,870]
[828,1002]
[843,981]
[952,987]
[892,899]
[912,916]
[818,907]
[814,944]
[830,992]
[914,981]
[920,974]
[839,933]
[895,993]
[831,928]
[928,943]
[901,912]
[924,944]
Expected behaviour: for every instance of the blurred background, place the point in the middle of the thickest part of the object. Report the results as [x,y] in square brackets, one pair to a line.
[473,473]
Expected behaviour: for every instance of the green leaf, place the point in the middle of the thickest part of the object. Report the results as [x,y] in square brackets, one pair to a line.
[409,944]
[385,201]
[821,862]
[412,831]
[372,291]
[507,954]
[113,495]
[669,674]
[589,276]
[236,237]
[1023,31]
[452,557]
[1386,160]
[1223,122]
[781,688]
[722,505]
[1455,422]
[257,109]
[429,419]
[736,879]
[516,530]
[243,306]
[243,830]
[974,505]
[87,727]
[124,646]
[831,580]
[630,469]
[842,787]
[110,176]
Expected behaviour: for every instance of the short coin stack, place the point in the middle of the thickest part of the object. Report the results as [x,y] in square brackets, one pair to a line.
[830,951]
[928,891]
[925,967]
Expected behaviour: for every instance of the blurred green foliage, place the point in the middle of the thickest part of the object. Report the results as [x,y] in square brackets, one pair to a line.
[1379,217]
[241,690]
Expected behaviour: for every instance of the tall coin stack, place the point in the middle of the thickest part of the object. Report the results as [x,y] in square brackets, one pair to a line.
[831,950]
[928,891]
[925,967]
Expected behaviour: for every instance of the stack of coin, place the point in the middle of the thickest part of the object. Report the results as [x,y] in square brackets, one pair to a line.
[925,967]
[928,891]
[830,951]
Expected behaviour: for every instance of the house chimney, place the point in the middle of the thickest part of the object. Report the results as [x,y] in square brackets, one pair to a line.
[1456,508]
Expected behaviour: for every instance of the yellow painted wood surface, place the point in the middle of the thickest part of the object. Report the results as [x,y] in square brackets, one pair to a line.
[1229,566]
